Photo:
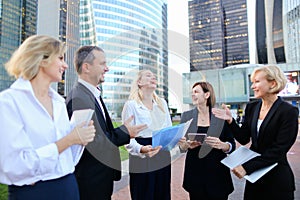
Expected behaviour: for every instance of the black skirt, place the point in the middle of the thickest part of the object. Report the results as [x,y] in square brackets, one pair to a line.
[150,178]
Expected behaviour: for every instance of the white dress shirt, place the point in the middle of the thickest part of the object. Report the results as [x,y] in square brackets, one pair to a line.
[155,119]
[95,92]
[28,152]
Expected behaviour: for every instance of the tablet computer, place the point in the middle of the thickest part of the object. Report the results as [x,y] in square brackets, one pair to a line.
[200,137]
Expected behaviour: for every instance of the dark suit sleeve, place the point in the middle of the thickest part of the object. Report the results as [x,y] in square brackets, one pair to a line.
[242,134]
[118,136]
[276,140]
[228,137]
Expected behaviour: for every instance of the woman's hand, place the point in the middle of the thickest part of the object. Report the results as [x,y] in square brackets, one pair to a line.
[223,113]
[193,144]
[149,151]
[216,143]
[188,144]
[183,144]
[84,134]
[239,171]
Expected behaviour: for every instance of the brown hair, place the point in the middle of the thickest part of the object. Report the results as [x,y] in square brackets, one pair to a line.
[207,87]
[85,55]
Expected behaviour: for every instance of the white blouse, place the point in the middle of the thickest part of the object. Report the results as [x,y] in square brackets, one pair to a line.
[28,152]
[155,119]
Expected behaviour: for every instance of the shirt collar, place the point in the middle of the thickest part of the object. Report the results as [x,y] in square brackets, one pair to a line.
[141,105]
[90,87]
[25,85]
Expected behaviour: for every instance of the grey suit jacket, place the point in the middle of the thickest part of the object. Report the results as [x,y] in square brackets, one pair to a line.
[100,163]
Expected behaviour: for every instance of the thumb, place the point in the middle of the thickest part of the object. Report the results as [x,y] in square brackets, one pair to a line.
[128,120]
[224,106]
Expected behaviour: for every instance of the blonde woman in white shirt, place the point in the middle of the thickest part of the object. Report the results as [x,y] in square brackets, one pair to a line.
[39,147]
[150,169]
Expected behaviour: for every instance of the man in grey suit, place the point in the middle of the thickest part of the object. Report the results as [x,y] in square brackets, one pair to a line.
[100,163]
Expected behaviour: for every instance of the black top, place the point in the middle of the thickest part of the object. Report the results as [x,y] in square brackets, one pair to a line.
[207,175]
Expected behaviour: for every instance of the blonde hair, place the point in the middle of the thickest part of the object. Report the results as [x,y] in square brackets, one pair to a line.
[25,61]
[273,73]
[137,95]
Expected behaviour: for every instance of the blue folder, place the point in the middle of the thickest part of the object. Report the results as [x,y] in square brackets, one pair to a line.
[169,137]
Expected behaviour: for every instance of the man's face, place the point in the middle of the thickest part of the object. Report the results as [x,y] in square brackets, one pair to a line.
[98,68]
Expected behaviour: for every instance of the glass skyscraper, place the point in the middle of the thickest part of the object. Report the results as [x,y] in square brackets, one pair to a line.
[291,26]
[17,22]
[218,33]
[133,35]
[69,29]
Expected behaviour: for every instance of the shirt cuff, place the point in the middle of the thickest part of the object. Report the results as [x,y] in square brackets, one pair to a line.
[230,147]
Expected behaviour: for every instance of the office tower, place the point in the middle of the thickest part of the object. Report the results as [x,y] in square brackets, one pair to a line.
[269,32]
[17,22]
[291,27]
[133,35]
[63,25]
[218,33]
[70,33]
[87,23]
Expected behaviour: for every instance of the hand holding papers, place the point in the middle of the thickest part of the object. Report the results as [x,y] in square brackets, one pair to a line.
[169,137]
[80,116]
[85,133]
[242,155]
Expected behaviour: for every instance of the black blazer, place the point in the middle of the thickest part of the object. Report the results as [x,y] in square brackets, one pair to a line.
[100,163]
[205,174]
[276,136]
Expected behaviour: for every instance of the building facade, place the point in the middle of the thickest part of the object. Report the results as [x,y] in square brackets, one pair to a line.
[218,33]
[69,32]
[291,26]
[17,22]
[269,32]
[133,35]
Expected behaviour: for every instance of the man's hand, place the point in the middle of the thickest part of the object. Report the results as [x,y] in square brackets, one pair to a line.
[133,130]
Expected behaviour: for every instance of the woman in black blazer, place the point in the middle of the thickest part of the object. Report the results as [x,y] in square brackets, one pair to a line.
[205,177]
[272,126]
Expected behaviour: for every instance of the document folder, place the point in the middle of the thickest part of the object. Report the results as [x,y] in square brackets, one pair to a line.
[169,137]
[242,155]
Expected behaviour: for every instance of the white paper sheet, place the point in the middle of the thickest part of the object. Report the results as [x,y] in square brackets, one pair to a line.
[80,116]
[242,155]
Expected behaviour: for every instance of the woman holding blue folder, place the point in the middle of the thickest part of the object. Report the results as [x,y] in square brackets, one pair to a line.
[150,169]
[205,177]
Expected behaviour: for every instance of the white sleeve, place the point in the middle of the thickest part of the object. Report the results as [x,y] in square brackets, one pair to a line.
[19,160]
[168,121]
[76,149]
[127,112]
[133,147]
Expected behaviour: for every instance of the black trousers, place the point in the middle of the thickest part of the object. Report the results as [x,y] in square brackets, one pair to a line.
[57,189]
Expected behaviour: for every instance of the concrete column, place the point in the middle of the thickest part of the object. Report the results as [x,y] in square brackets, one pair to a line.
[269,8]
